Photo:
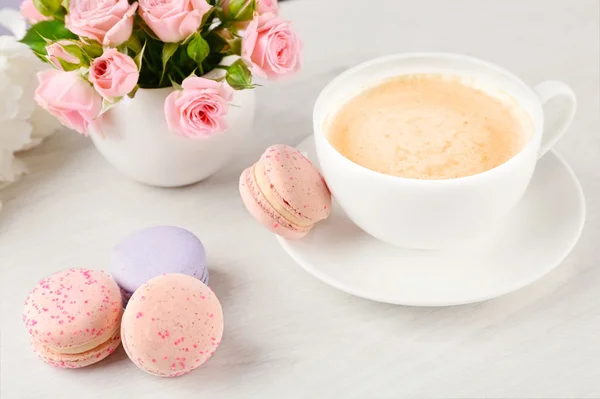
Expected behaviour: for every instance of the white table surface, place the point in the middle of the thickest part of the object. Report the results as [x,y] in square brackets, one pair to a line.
[287,335]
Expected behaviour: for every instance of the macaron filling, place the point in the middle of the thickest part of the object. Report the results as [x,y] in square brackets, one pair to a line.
[267,191]
[106,335]
[262,203]
[66,352]
[77,360]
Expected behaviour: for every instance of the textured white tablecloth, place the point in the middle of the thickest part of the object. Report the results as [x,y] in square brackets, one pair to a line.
[288,335]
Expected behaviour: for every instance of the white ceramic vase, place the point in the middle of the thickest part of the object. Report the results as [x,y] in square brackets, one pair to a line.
[134,137]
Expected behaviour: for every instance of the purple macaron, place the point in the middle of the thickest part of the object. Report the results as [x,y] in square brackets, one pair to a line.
[153,251]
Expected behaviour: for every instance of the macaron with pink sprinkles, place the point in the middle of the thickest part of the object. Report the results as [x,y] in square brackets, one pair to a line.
[172,325]
[285,192]
[74,317]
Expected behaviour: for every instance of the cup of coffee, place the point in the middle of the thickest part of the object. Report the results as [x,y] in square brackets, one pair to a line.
[432,150]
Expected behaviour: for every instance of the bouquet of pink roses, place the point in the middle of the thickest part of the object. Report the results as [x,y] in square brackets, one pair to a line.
[103,50]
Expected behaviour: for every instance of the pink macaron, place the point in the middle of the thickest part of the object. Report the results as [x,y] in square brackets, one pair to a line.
[172,324]
[74,317]
[285,192]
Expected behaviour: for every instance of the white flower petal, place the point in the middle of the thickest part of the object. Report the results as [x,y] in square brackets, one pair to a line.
[23,124]
[15,135]
[13,21]
[10,46]
[10,168]
[43,125]
[26,102]
[9,104]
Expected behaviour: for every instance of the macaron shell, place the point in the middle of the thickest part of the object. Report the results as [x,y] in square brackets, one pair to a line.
[296,182]
[156,250]
[127,295]
[73,361]
[172,325]
[263,212]
[73,308]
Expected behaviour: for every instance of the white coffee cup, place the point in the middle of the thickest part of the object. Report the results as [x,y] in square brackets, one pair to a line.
[435,214]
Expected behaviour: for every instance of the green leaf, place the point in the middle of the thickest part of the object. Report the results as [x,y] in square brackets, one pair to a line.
[207,17]
[47,7]
[198,48]
[65,4]
[92,48]
[134,44]
[132,92]
[140,57]
[242,10]
[43,32]
[67,66]
[220,14]
[235,46]
[41,56]
[106,105]
[217,42]
[239,76]
[167,52]
[74,50]
[41,7]
[176,85]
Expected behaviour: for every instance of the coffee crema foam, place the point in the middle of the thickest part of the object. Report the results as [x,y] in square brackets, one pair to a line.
[429,126]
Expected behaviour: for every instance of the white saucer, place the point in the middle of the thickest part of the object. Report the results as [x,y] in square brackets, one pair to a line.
[534,239]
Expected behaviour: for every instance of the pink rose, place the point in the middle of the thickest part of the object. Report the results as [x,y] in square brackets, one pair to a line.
[56,51]
[31,14]
[69,97]
[271,47]
[109,22]
[113,74]
[199,109]
[173,20]
[267,6]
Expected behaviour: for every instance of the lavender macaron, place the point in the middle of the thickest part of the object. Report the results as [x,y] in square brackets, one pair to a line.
[153,251]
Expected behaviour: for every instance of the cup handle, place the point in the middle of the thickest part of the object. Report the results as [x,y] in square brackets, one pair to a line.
[546,91]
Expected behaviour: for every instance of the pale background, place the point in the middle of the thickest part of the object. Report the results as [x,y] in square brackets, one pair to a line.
[288,335]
